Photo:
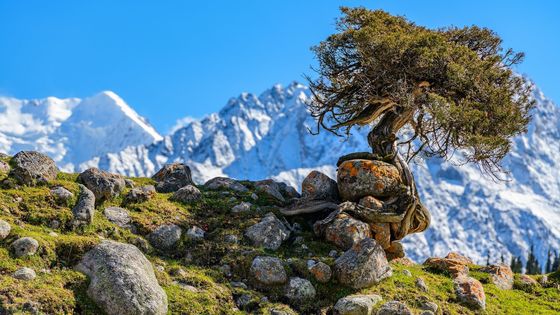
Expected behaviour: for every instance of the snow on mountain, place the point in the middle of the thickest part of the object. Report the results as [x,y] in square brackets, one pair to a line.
[256,137]
[72,131]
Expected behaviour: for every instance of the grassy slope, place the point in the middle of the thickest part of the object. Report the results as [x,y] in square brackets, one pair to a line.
[60,290]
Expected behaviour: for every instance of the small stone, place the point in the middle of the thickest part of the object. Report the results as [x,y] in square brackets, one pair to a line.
[420,284]
[429,306]
[407,273]
[269,233]
[118,216]
[165,237]
[356,304]
[405,261]
[333,253]
[140,194]
[321,271]
[544,281]
[254,196]
[129,183]
[187,194]
[363,265]
[270,188]
[218,183]
[173,177]
[54,224]
[470,292]
[299,291]
[104,185]
[226,270]
[5,229]
[196,233]
[243,300]
[25,274]
[53,234]
[238,284]
[32,168]
[84,209]
[268,271]
[61,195]
[141,243]
[25,246]
[394,308]
[319,186]
[454,264]
[231,239]
[4,167]
[527,280]
[242,207]
[394,251]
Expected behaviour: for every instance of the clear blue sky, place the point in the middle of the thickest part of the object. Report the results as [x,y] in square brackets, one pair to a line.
[170,59]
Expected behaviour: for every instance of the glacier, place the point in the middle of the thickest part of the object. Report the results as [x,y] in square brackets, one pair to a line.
[267,136]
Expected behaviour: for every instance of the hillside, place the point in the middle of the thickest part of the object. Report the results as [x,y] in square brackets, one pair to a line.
[204,257]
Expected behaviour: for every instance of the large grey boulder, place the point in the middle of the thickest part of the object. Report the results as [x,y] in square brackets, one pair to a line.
[218,183]
[356,304]
[269,233]
[165,237]
[299,291]
[187,194]
[84,209]
[5,229]
[122,280]
[172,177]
[104,185]
[33,168]
[25,246]
[319,186]
[268,271]
[363,265]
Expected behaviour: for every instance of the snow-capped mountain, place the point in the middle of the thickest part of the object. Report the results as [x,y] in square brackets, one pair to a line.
[255,137]
[72,131]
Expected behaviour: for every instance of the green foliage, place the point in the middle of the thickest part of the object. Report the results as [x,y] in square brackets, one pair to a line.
[453,86]
[532,267]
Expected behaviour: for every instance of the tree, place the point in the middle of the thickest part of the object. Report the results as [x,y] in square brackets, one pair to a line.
[556,264]
[532,267]
[516,264]
[452,87]
[549,262]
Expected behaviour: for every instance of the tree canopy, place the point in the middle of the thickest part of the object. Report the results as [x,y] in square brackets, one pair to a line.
[454,87]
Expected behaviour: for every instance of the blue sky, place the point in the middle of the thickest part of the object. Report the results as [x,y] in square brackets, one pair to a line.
[170,59]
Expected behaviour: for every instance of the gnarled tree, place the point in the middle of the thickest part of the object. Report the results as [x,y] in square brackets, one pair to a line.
[452,87]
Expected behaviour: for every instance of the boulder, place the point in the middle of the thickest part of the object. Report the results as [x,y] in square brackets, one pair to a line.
[104,185]
[25,274]
[242,207]
[394,251]
[219,183]
[172,177]
[187,194]
[345,231]
[270,188]
[61,195]
[5,229]
[4,167]
[405,261]
[319,186]
[84,209]
[118,216]
[320,271]
[25,246]
[269,233]
[382,234]
[33,168]
[470,292]
[455,264]
[140,194]
[195,233]
[527,280]
[363,265]
[360,178]
[356,304]
[165,237]
[299,291]
[268,271]
[122,280]
[394,308]
[429,306]
[500,275]
[421,284]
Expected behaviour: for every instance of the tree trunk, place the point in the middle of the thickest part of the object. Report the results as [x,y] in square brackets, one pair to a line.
[382,140]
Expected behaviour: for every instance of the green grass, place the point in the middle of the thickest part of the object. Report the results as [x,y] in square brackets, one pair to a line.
[198,286]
